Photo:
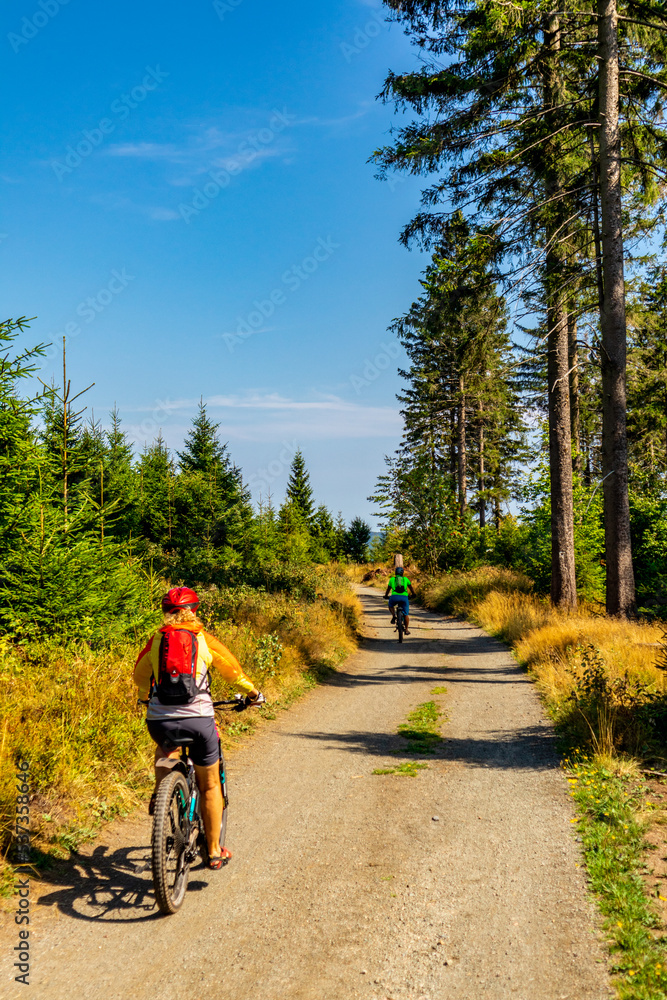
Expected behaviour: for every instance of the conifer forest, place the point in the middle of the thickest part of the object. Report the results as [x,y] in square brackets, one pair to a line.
[538,340]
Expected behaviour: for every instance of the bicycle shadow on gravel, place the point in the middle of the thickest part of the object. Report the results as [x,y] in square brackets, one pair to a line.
[105,888]
[529,748]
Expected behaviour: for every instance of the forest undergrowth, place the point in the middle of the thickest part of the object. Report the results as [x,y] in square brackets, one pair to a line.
[603,682]
[70,710]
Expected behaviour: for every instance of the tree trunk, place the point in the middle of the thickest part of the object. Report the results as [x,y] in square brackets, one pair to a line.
[496,506]
[563,577]
[462,459]
[618,548]
[573,363]
[482,477]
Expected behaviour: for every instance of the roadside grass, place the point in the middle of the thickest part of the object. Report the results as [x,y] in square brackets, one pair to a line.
[599,676]
[71,712]
[422,732]
[601,683]
[460,593]
[610,794]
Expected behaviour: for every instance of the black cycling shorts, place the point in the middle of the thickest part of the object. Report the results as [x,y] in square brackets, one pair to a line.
[168,733]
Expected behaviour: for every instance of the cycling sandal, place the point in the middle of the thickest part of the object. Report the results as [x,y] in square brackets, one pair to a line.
[220,860]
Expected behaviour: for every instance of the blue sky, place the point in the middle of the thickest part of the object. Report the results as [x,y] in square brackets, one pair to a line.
[187,199]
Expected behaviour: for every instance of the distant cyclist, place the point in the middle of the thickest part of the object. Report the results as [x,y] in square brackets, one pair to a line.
[397,591]
[194,717]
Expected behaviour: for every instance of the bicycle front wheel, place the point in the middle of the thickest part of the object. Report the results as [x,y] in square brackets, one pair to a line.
[170,843]
[400,624]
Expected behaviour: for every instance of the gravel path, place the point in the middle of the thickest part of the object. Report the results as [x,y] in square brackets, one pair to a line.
[343,883]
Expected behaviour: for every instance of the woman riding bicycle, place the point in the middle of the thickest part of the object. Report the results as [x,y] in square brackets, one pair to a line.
[397,592]
[167,723]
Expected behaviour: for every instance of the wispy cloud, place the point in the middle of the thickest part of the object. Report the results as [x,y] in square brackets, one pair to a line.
[117,202]
[203,147]
[364,109]
[270,416]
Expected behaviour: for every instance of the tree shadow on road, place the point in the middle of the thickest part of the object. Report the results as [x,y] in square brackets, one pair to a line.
[531,748]
[410,671]
[105,888]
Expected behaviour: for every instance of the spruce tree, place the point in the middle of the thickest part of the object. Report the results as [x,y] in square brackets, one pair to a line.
[323,532]
[155,495]
[203,451]
[647,376]
[299,491]
[119,488]
[357,537]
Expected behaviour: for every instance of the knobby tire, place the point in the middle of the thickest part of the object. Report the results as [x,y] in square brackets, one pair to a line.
[400,625]
[168,843]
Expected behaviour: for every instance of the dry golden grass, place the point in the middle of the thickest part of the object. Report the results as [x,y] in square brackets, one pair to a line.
[357,571]
[551,643]
[460,593]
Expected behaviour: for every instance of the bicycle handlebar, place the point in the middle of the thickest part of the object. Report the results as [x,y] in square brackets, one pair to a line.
[238,701]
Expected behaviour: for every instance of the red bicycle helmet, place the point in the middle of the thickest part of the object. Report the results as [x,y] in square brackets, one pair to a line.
[179,597]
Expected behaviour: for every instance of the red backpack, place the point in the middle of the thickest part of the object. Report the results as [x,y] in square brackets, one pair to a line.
[177,667]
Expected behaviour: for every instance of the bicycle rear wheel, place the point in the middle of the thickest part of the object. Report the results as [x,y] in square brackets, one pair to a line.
[169,843]
[400,624]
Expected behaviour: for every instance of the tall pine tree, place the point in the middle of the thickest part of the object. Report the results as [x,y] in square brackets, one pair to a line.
[299,491]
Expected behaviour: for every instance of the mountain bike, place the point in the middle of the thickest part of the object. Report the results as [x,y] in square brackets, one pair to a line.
[178,828]
[400,621]
[399,614]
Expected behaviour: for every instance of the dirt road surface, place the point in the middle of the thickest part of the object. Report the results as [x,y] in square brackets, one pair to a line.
[344,884]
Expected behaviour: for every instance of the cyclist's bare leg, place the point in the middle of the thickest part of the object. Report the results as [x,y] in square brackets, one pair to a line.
[208,779]
[407,624]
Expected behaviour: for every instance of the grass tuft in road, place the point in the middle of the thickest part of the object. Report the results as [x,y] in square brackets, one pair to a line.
[410,767]
[609,792]
[422,729]
[422,733]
